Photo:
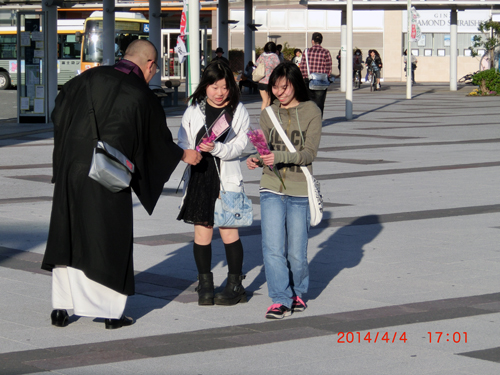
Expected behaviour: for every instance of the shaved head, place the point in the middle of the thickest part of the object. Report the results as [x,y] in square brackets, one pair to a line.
[140,51]
[143,53]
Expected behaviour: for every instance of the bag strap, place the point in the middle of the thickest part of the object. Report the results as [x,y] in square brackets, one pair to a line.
[215,161]
[223,113]
[285,138]
[307,63]
[95,131]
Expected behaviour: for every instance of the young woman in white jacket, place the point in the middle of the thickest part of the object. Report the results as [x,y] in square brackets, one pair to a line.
[217,95]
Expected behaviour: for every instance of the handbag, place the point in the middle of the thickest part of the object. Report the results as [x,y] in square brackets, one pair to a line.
[232,209]
[317,81]
[313,186]
[109,166]
[259,72]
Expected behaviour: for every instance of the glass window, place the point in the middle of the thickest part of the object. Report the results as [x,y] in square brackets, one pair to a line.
[277,19]
[8,47]
[430,43]
[297,19]
[68,47]
[333,19]
[237,15]
[317,19]
[261,18]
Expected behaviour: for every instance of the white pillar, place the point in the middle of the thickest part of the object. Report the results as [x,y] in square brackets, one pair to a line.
[222,27]
[347,68]
[108,34]
[253,36]
[408,51]
[453,50]
[51,82]
[343,49]
[194,45]
[249,47]
[155,37]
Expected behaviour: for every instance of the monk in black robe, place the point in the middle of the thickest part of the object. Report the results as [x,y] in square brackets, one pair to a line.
[89,247]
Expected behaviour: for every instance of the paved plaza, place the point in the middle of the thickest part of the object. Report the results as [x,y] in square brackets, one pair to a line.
[404,268]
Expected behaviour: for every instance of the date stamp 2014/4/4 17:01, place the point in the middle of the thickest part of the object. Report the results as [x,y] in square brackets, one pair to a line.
[399,337]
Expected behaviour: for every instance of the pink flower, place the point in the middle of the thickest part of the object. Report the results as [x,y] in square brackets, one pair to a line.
[212,138]
[259,142]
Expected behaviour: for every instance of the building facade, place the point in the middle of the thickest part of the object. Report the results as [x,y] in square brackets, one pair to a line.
[383,30]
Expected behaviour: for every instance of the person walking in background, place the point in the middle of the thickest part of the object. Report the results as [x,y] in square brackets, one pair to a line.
[270,60]
[285,214]
[414,61]
[339,59]
[320,61]
[217,95]
[246,79]
[279,47]
[90,243]
[297,56]
[374,63]
[218,56]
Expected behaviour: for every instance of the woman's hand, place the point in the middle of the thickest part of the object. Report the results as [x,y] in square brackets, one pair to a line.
[207,147]
[268,159]
[252,163]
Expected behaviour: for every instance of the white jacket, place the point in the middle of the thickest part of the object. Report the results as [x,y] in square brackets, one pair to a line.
[228,152]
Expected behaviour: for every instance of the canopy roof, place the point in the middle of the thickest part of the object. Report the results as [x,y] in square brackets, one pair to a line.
[313,4]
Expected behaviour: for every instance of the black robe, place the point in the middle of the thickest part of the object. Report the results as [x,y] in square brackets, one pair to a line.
[91,228]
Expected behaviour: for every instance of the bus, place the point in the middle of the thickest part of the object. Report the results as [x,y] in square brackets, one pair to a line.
[68,52]
[128,27]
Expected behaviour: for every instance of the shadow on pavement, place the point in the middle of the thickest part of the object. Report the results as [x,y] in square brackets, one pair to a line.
[343,249]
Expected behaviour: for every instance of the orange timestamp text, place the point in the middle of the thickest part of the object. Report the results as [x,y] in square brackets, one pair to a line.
[371,337]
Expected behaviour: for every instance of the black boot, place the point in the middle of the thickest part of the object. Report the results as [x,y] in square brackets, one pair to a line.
[60,318]
[233,292]
[205,289]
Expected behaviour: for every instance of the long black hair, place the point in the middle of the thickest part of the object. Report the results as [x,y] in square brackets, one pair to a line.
[215,71]
[293,76]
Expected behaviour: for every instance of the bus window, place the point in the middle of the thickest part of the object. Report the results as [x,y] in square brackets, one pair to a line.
[128,27]
[69,48]
[8,47]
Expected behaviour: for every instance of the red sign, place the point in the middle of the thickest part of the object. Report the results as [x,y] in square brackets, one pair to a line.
[413,31]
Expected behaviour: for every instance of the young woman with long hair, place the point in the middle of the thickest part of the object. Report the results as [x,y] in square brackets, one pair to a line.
[217,95]
[270,60]
[285,215]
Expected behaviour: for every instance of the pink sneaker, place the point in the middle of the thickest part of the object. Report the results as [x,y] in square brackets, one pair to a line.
[278,311]
[298,305]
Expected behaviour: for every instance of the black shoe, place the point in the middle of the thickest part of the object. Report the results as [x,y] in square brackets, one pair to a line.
[118,323]
[205,289]
[60,318]
[233,292]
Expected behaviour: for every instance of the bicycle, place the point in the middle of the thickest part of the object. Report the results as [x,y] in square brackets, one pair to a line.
[467,79]
[372,80]
[357,78]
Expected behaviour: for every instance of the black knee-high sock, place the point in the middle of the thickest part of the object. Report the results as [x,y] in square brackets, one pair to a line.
[203,257]
[234,256]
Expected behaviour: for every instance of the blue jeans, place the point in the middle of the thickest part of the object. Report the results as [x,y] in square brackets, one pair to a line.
[285,220]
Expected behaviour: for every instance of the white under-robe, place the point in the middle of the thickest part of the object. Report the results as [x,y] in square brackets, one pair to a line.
[71,289]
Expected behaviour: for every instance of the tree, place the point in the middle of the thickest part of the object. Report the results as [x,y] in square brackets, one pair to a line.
[490,42]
